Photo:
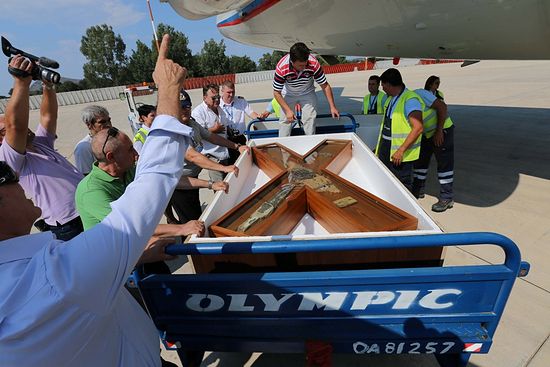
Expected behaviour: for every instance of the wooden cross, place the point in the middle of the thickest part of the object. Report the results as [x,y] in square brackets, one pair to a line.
[309,184]
[318,190]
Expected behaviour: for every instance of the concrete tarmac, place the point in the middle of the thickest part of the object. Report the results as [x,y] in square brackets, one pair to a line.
[502,184]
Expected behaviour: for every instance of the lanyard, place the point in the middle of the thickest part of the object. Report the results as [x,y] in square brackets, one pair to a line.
[392,103]
[229,110]
[373,103]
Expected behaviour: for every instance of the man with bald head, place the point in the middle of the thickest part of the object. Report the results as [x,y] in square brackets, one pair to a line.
[112,172]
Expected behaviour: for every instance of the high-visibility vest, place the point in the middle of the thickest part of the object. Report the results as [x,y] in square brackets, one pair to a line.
[429,118]
[141,135]
[400,127]
[276,107]
[379,104]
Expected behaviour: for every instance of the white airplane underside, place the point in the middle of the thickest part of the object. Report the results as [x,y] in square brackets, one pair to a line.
[439,29]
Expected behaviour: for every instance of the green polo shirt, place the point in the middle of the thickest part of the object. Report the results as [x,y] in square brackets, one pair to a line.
[95,193]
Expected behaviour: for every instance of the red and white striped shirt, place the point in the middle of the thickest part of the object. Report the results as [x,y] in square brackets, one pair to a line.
[296,83]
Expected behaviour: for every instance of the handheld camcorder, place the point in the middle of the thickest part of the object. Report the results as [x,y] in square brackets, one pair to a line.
[40,65]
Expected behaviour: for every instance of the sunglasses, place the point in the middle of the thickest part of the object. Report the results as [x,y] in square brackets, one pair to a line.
[112,132]
[217,97]
[7,175]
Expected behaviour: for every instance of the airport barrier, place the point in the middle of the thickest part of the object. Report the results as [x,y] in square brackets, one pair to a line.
[344,68]
[73,97]
[449,312]
[194,83]
[110,93]
[257,76]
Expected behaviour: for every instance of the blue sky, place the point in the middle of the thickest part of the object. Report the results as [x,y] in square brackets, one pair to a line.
[54,28]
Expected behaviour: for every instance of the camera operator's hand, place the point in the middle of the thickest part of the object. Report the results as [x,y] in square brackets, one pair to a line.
[169,78]
[20,68]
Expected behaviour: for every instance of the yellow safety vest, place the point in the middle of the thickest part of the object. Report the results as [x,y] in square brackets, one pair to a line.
[429,118]
[379,104]
[141,135]
[400,127]
[276,107]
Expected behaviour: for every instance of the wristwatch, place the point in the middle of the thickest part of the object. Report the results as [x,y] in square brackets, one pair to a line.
[210,183]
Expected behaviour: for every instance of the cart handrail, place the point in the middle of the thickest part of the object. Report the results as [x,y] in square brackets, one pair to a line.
[248,132]
[511,250]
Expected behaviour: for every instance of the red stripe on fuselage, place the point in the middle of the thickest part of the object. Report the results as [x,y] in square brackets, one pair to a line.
[252,14]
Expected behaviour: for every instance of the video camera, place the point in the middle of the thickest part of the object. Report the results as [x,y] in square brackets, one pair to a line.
[39,64]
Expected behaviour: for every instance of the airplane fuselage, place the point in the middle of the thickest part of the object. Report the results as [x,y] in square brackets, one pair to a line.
[450,29]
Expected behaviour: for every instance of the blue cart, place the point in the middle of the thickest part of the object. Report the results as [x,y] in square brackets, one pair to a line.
[450,312]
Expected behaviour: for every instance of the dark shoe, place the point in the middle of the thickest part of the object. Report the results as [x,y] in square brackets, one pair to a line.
[418,195]
[442,205]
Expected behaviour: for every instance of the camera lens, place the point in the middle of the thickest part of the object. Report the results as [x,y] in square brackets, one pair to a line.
[50,76]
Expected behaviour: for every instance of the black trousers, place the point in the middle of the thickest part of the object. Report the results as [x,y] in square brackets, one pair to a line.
[444,155]
[186,205]
[403,172]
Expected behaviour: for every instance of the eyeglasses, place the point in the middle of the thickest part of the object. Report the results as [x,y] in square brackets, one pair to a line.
[7,175]
[216,97]
[112,132]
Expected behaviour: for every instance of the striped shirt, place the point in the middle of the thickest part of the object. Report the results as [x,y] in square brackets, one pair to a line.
[295,83]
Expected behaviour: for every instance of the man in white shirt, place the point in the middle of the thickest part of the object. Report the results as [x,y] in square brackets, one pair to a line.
[235,109]
[64,303]
[96,119]
[210,116]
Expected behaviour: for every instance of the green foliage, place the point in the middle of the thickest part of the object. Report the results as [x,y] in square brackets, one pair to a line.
[141,64]
[212,59]
[241,64]
[179,49]
[105,52]
[269,61]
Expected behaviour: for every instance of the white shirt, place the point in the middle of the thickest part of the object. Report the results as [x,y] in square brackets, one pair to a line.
[83,155]
[207,119]
[64,304]
[236,111]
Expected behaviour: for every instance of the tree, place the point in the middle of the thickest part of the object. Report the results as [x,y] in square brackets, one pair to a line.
[141,64]
[241,64]
[105,52]
[269,61]
[179,49]
[212,58]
